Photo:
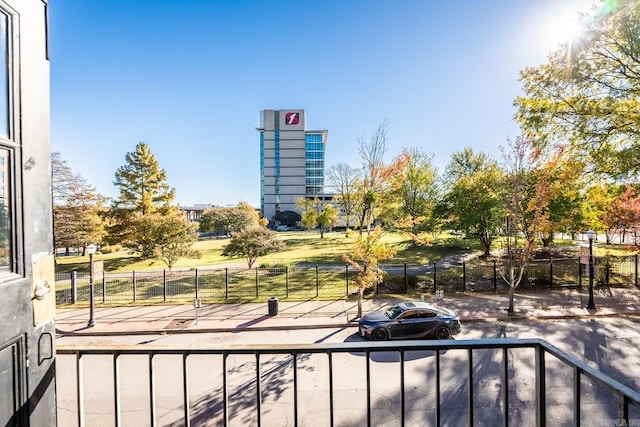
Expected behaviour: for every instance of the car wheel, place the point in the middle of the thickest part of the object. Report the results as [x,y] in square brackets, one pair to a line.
[380,334]
[442,333]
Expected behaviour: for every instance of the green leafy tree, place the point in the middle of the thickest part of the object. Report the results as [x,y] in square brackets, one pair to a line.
[143,191]
[172,236]
[367,252]
[252,243]
[474,200]
[229,219]
[598,197]
[317,214]
[585,97]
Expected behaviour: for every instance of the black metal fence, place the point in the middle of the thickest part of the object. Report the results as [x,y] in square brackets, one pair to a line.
[450,382]
[214,284]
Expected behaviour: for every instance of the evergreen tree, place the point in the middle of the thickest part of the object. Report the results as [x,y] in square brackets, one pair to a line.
[142,184]
[143,192]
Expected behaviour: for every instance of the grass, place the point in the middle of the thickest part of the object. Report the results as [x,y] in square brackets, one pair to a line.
[302,246]
[307,247]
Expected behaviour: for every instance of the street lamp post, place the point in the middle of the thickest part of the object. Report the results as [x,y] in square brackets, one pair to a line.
[91,249]
[591,235]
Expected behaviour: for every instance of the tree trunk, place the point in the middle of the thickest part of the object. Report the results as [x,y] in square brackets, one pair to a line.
[360,297]
[512,291]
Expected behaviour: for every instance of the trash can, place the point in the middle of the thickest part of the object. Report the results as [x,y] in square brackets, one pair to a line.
[273,306]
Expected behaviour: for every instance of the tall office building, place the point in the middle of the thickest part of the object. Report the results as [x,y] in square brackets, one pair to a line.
[291,161]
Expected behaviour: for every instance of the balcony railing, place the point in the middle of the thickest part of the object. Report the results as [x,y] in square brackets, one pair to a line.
[489,382]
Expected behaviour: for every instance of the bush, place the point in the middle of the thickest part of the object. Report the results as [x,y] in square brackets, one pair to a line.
[110,249]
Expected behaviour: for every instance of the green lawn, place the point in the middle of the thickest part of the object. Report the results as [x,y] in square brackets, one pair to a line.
[302,246]
[307,246]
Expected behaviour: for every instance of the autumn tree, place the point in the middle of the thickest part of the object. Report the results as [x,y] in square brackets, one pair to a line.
[623,213]
[144,191]
[554,193]
[474,198]
[252,243]
[77,208]
[585,97]
[367,252]
[416,194]
[342,179]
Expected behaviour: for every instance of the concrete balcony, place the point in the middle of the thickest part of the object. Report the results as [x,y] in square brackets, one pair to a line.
[477,382]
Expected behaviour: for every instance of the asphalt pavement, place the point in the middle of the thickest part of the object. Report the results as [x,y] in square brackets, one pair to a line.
[470,307]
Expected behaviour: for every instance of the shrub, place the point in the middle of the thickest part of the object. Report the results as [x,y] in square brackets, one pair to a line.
[110,249]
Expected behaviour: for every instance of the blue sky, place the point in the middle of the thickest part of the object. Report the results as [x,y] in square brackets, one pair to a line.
[190,78]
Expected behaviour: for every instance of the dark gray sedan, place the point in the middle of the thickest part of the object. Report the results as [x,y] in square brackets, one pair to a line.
[410,320]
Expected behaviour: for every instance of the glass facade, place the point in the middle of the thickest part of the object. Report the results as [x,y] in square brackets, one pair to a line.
[314,155]
[277,170]
[262,168]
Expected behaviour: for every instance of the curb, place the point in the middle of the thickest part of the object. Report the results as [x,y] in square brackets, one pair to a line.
[351,324]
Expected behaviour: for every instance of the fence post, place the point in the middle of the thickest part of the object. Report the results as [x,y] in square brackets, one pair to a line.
[464,276]
[434,277]
[196,279]
[579,274]
[164,285]
[317,284]
[134,285]
[74,287]
[495,277]
[550,270]
[257,283]
[104,288]
[346,277]
[286,281]
[226,283]
[405,277]
[636,272]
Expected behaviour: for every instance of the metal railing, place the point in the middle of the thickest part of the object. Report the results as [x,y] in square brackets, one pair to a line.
[492,382]
[216,284]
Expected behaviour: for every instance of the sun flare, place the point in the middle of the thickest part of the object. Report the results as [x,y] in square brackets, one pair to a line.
[563,25]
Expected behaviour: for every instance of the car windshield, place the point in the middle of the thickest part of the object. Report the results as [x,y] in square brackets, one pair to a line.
[393,311]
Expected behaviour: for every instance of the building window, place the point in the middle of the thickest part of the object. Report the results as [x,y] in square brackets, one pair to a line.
[314,155]
[4,76]
[315,164]
[5,172]
[314,146]
[5,218]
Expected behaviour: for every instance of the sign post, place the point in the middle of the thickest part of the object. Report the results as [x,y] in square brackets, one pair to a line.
[197,303]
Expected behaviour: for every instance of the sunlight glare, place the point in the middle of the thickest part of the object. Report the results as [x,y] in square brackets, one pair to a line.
[563,25]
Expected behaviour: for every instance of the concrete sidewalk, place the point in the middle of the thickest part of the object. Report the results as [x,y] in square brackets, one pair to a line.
[169,319]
